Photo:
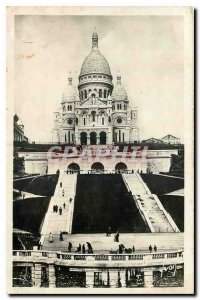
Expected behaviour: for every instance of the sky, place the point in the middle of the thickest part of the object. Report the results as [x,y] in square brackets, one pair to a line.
[148,51]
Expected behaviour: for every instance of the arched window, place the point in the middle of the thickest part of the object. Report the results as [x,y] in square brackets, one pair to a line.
[123,136]
[81,95]
[100,93]
[85,94]
[71,107]
[104,94]
[69,137]
[84,122]
[102,120]
[64,108]
[93,116]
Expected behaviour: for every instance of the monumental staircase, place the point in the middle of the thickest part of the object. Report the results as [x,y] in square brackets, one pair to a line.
[64,193]
[150,207]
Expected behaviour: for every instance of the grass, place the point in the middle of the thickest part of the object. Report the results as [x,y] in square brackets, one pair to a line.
[39,185]
[102,201]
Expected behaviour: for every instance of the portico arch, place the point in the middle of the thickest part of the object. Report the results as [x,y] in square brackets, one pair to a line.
[73,167]
[83,138]
[98,167]
[121,166]
[93,138]
[102,138]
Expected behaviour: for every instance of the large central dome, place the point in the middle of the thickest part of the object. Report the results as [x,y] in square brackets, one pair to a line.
[95,62]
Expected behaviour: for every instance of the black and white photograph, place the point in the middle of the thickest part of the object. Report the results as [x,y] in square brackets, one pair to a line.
[100,156]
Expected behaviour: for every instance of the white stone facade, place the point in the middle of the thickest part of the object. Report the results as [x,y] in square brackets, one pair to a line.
[96,112]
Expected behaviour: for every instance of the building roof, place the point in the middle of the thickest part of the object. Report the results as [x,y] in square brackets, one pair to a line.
[119,92]
[70,93]
[169,136]
[95,62]
[153,139]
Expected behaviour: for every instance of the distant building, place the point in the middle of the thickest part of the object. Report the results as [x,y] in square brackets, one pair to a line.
[153,140]
[19,130]
[170,139]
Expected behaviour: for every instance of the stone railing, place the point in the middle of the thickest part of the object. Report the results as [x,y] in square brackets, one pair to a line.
[109,260]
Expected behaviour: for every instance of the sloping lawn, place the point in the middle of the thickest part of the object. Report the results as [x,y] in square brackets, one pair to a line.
[102,201]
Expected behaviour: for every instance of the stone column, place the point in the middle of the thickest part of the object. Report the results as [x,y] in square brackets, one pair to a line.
[37,275]
[88,139]
[113,278]
[52,276]
[89,279]
[98,138]
[123,278]
[105,278]
[148,278]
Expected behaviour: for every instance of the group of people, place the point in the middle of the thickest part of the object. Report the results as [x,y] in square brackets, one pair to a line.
[122,249]
[56,209]
[152,248]
[81,249]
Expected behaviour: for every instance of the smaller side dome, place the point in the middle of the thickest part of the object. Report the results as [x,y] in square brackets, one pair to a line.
[119,92]
[70,93]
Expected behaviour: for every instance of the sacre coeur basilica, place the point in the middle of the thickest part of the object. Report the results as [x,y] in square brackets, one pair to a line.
[98,112]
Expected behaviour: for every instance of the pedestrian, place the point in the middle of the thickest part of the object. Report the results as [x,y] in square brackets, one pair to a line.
[60,211]
[40,246]
[56,208]
[155,248]
[70,200]
[61,184]
[120,249]
[150,248]
[64,205]
[78,248]
[61,236]
[117,237]
[133,249]
[83,248]
[90,250]
[50,238]
[70,247]
[109,231]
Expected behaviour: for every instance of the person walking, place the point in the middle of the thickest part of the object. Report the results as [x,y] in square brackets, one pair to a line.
[155,248]
[78,248]
[61,184]
[50,238]
[64,205]
[83,248]
[109,231]
[70,247]
[117,237]
[54,208]
[70,200]
[133,249]
[61,236]
[150,248]
[60,211]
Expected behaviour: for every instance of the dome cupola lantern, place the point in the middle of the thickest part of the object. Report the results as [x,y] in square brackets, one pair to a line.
[95,41]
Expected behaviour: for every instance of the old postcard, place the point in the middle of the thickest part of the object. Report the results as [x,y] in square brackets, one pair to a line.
[100,187]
